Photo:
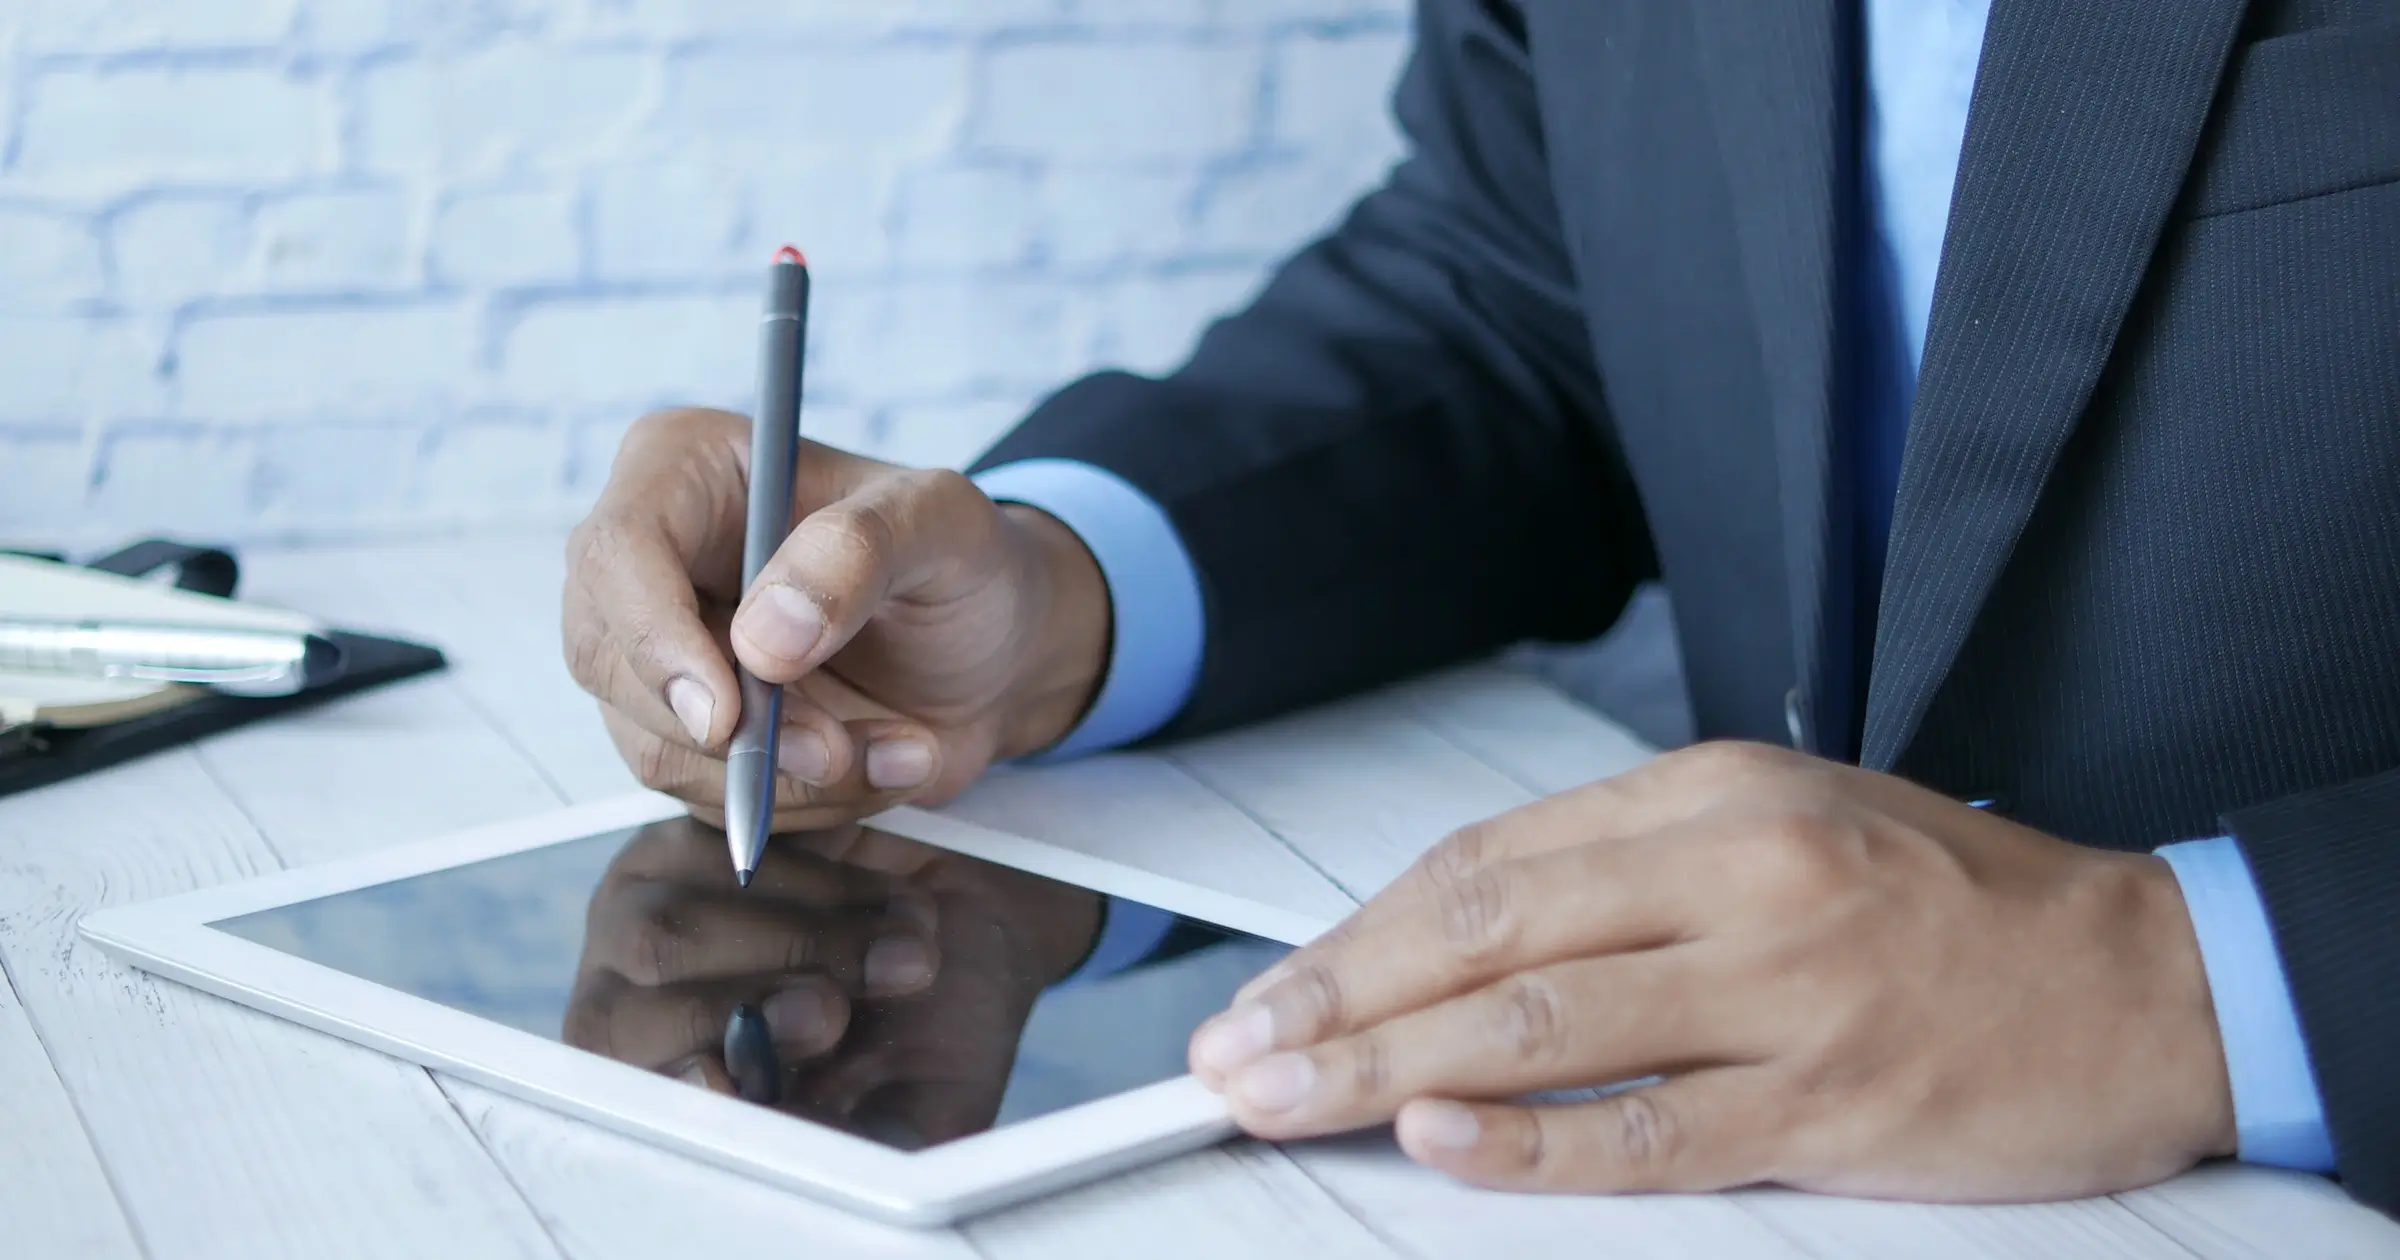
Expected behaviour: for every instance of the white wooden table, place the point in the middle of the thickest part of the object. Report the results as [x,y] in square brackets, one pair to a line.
[139,1118]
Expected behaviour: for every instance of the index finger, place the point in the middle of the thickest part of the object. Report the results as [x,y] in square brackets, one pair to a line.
[634,633]
[1451,926]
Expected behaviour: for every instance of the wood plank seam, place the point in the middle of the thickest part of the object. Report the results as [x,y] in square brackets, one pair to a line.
[491,720]
[541,1219]
[1197,776]
[108,1176]
[266,837]
[1396,1245]
[202,757]
[1385,1237]
[1424,718]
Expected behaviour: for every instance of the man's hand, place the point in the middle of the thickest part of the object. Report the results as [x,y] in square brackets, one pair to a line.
[921,631]
[671,945]
[1847,984]
[934,1065]
[894,978]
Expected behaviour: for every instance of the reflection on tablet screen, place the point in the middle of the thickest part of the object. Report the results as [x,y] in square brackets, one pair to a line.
[885,987]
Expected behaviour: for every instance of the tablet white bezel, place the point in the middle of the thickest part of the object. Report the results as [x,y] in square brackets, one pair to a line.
[172,937]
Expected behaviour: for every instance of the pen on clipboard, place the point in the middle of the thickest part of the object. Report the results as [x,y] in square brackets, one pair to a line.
[235,659]
[774,446]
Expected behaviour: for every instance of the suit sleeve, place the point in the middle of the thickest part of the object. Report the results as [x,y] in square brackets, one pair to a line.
[1397,456]
[2327,868]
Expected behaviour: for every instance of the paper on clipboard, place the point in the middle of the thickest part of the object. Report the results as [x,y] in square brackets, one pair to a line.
[41,588]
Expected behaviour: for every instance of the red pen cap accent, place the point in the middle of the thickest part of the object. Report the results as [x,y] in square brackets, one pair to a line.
[790,255]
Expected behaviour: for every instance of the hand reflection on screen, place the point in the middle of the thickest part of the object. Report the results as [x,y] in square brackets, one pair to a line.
[893,978]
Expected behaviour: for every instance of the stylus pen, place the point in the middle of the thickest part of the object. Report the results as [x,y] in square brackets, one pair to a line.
[774,446]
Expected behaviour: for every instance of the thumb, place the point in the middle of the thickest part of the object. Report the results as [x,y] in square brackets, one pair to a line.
[846,560]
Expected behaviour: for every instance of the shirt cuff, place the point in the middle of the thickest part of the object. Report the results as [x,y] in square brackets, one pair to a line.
[2277,1112]
[1129,933]
[1153,594]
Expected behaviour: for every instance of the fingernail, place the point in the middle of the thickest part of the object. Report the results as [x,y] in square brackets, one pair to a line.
[797,1017]
[898,763]
[898,964]
[693,707]
[783,622]
[1440,1125]
[1278,1082]
[803,754]
[693,1074]
[1235,1038]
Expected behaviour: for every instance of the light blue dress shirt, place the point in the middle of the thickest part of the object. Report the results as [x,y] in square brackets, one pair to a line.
[1921,57]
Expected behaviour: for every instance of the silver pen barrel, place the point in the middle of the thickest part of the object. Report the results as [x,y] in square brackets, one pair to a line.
[774,450]
[242,660]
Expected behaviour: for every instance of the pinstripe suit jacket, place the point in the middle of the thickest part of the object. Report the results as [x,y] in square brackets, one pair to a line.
[2144,574]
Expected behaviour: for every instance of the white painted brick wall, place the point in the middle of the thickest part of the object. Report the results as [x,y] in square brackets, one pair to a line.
[319,268]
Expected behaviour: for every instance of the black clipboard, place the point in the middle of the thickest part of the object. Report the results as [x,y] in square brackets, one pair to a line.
[32,757]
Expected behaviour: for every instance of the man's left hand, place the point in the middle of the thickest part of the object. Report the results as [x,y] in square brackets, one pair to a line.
[1843,982]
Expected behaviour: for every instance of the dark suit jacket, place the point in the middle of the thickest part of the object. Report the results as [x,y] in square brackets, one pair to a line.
[2144,576]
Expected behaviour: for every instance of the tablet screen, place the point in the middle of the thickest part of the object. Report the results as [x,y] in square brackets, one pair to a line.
[895,990]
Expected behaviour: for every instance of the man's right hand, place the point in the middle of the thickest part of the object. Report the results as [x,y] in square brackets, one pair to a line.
[921,631]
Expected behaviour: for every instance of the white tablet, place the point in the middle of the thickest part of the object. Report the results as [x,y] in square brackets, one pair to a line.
[902,1019]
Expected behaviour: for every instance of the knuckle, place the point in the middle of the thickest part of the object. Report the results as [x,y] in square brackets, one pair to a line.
[702,1025]
[1797,850]
[1369,1067]
[1464,849]
[1472,906]
[795,795]
[1316,998]
[655,944]
[642,642]
[1533,1018]
[676,424]
[651,424]
[596,541]
[1338,937]
[583,542]
[800,951]
[1735,759]
[657,764]
[858,536]
[1647,1135]
[1799,831]
[1527,1149]
[939,485]
[588,655]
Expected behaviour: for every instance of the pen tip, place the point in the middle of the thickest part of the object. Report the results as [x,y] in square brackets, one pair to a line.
[744,877]
[788,254]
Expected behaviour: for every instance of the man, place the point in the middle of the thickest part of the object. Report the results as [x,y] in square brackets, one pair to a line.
[2013,412]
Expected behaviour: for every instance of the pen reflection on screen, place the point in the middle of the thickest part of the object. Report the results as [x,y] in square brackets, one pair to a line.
[993,1036]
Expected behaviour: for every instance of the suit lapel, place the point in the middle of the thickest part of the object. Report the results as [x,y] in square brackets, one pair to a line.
[2084,118]
[1775,84]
